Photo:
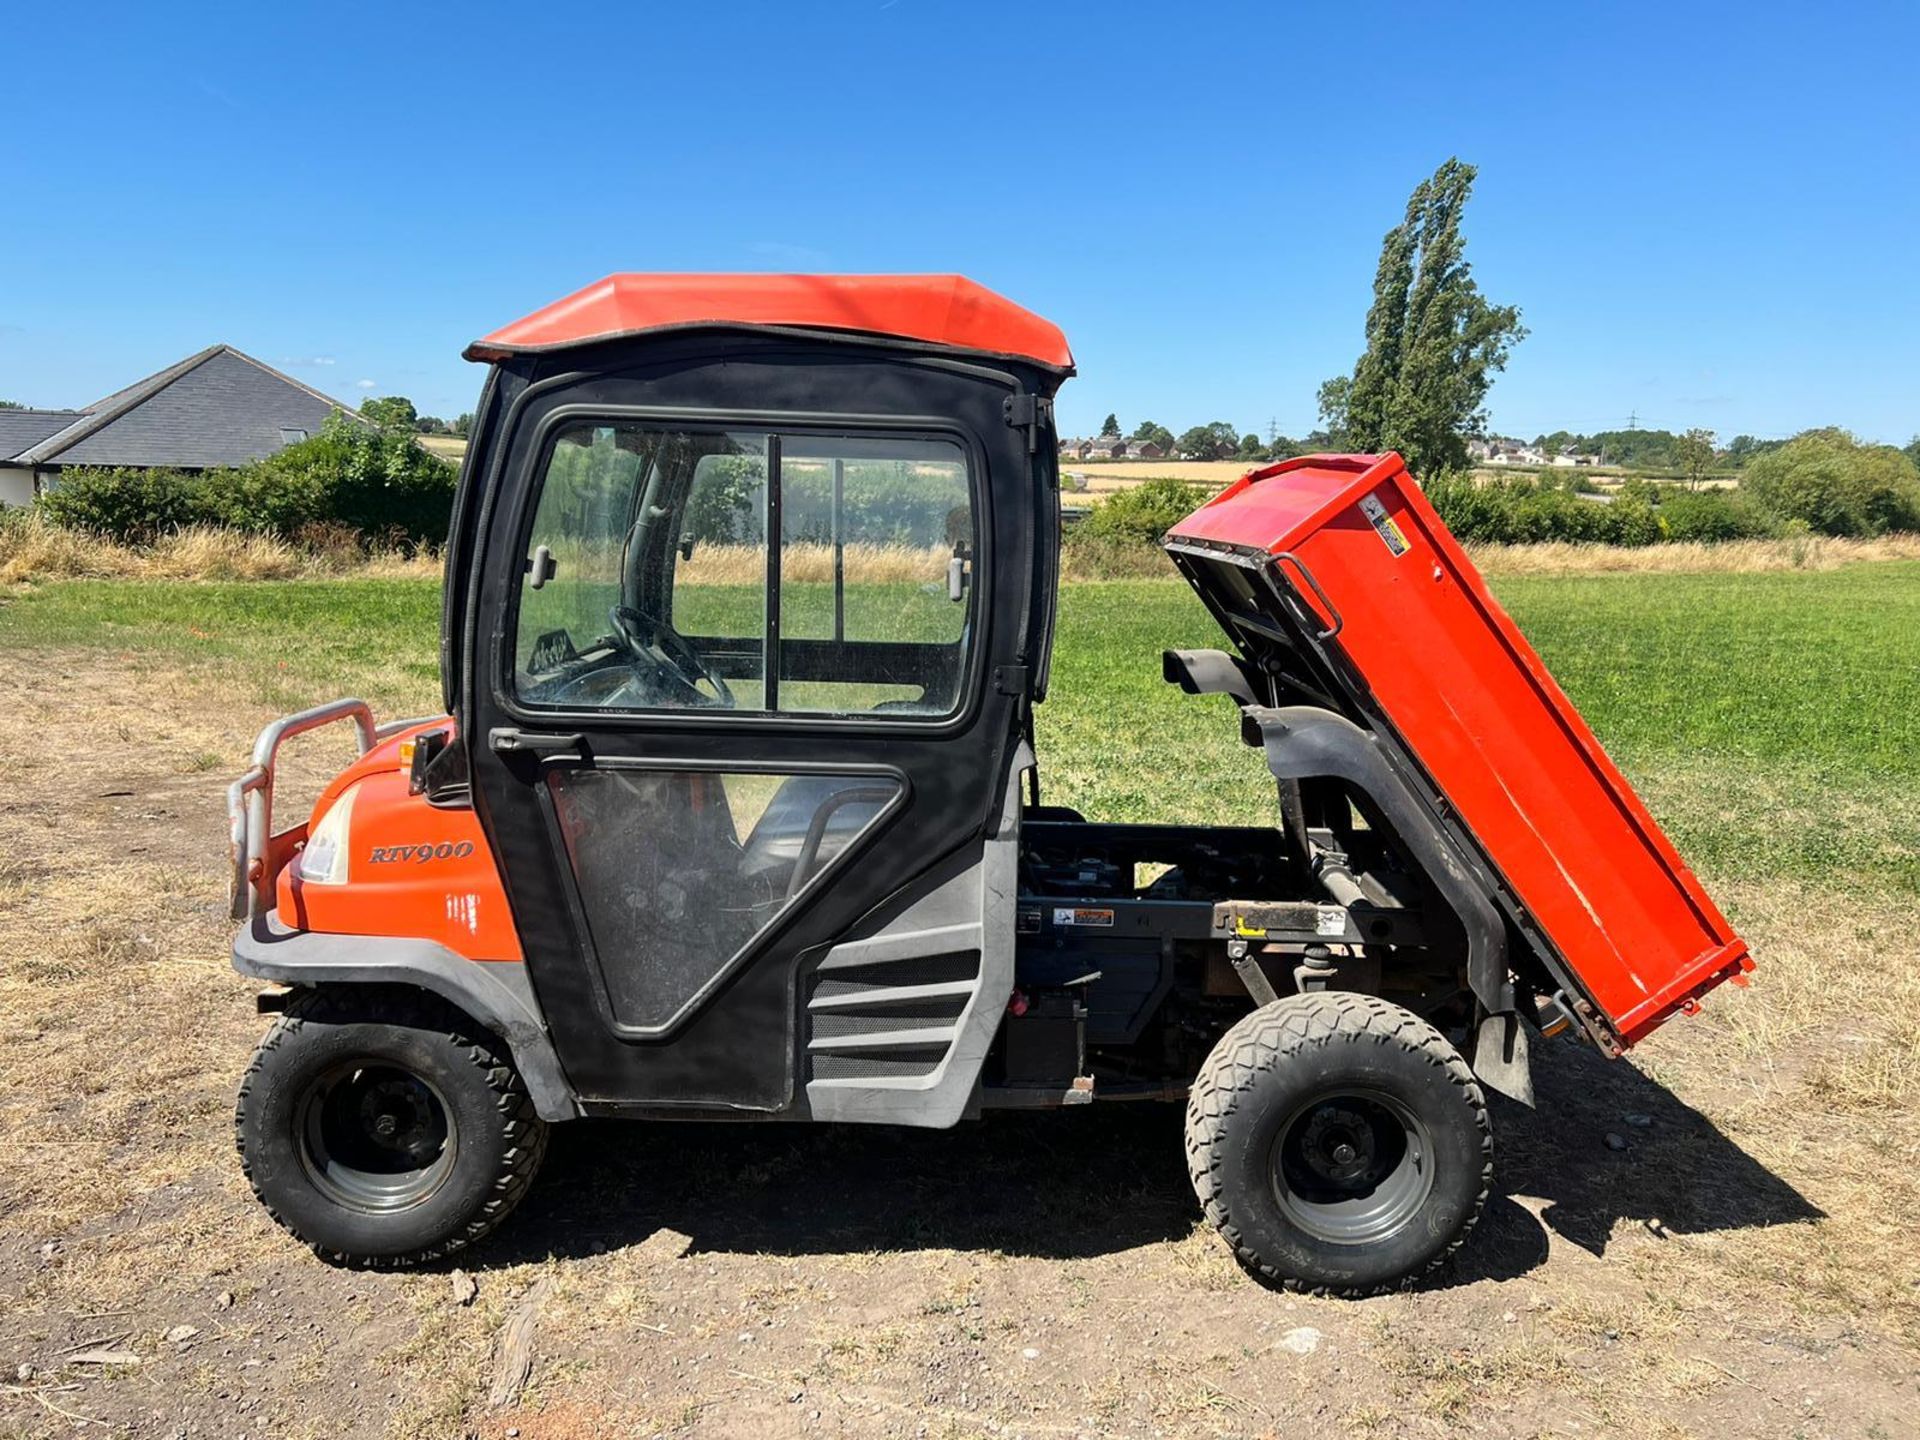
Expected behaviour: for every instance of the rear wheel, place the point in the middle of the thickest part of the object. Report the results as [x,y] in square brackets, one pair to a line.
[384,1127]
[1339,1143]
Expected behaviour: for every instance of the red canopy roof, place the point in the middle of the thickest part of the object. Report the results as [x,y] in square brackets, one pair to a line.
[937,309]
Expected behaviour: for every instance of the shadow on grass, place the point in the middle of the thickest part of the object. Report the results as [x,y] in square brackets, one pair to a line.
[1092,1182]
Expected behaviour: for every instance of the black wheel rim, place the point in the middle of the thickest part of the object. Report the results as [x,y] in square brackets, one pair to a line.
[375,1137]
[1352,1167]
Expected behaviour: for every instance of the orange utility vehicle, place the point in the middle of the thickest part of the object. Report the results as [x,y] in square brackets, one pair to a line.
[734,811]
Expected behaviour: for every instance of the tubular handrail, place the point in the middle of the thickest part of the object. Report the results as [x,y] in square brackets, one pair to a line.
[250,798]
[391,728]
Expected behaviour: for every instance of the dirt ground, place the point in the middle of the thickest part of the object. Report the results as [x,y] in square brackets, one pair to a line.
[1726,1250]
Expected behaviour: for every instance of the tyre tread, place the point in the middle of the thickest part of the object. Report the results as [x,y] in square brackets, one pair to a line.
[1264,1038]
[524,1130]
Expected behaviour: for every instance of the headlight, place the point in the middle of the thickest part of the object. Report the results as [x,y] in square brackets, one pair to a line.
[324,861]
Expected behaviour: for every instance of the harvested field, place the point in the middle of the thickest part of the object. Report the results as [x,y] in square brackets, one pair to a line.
[447,447]
[1117,474]
[1741,1264]
[1803,552]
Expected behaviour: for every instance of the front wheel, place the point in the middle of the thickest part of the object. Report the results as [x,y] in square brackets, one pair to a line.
[383,1127]
[1339,1143]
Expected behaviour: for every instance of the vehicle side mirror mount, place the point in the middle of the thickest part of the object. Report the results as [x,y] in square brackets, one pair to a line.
[957,576]
[686,547]
[540,567]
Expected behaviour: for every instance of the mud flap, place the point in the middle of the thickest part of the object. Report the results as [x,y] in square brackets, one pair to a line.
[1500,1057]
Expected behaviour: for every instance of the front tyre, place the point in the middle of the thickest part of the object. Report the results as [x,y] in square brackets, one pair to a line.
[1338,1143]
[383,1127]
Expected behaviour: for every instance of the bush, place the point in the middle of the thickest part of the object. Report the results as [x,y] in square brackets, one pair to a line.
[1837,485]
[132,506]
[378,482]
[1142,514]
[1634,522]
[1531,512]
[1711,516]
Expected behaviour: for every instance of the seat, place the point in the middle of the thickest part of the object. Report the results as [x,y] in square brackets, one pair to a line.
[811,819]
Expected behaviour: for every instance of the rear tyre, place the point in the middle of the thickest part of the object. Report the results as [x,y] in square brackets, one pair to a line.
[383,1127]
[1338,1143]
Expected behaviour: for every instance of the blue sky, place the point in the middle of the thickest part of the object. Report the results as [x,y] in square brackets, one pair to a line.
[1709,215]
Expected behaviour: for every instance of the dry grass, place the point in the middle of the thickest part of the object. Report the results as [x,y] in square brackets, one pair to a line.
[813,564]
[1805,552]
[32,551]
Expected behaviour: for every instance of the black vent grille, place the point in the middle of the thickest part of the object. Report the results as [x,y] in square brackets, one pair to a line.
[850,1008]
[910,1062]
[884,975]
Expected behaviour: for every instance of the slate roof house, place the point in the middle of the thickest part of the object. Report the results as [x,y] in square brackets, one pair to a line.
[1106,447]
[219,407]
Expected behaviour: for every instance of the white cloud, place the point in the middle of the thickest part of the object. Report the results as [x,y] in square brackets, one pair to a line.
[296,362]
[366,384]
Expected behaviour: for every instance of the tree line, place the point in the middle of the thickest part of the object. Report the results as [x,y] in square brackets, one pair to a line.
[397,412]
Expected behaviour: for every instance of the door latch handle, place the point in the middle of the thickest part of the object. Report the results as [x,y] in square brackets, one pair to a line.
[509,740]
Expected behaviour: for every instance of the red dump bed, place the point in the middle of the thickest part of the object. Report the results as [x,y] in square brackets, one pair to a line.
[1449,673]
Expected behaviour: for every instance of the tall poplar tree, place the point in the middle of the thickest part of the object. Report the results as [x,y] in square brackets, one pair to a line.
[1434,343]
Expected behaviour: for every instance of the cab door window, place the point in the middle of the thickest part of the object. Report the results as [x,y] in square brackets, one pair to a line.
[650,583]
[609,603]
[876,558]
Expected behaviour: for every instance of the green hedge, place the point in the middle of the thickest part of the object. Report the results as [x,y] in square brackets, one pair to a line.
[1835,485]
[1142,514]
[1519,512]
[1522,512]
[375,482]
[133,506]
[1712,516]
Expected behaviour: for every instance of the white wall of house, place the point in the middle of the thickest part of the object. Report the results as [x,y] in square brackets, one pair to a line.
[16,485]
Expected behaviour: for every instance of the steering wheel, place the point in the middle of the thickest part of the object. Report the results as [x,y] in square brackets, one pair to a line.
[676,664]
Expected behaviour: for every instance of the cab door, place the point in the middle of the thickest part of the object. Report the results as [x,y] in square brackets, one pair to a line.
[738,742]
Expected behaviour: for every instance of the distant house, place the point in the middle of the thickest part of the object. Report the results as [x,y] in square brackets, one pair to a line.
[1147,449]
[1519,455]
[219,407]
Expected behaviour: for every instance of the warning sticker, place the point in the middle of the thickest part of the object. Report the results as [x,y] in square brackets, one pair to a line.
[1330,920]
[1388,527]
[1082,915]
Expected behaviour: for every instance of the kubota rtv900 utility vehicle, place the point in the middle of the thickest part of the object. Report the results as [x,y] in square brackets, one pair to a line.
[733,810]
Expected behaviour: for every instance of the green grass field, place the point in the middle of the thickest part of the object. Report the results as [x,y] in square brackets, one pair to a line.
[1771,718]
[1757,1208]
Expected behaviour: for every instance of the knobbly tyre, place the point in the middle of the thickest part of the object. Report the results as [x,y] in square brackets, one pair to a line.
[734,812]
